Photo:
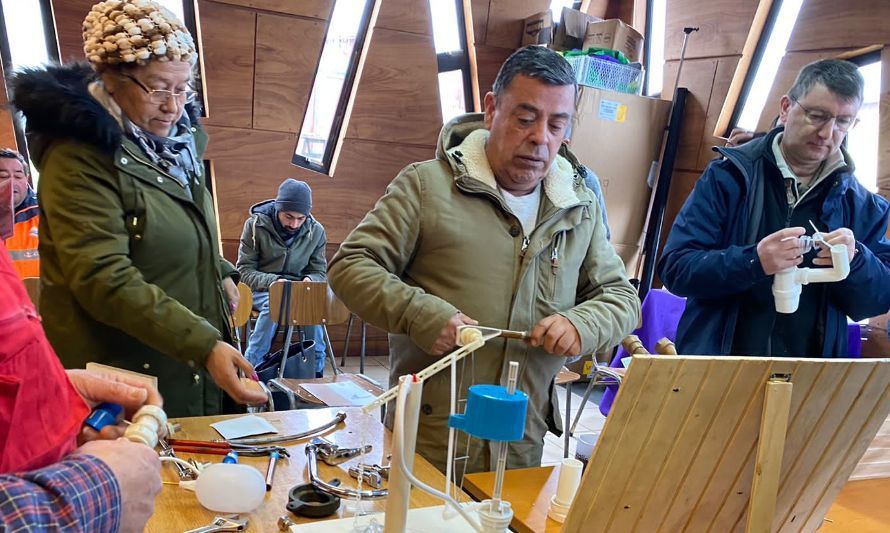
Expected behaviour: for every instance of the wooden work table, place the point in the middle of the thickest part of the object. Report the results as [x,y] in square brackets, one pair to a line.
[177,509]
[861,506]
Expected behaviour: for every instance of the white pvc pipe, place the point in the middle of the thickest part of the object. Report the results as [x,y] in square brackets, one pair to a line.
[407,413]
[787,284]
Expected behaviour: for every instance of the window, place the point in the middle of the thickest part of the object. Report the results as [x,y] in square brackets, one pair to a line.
[765,63]
[455,83]
[862,141]
[557,5]
[27,39]
[654,43]
[332,87]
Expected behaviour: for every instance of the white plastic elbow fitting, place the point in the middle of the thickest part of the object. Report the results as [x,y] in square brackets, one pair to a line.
[787,284]
[149,423]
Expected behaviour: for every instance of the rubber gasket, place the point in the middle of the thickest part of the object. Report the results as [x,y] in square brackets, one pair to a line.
[306,500]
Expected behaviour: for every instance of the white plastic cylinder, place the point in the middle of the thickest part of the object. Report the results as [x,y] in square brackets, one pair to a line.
[230,488]
[786,291]
[405,423]
[569,480]
[494,520]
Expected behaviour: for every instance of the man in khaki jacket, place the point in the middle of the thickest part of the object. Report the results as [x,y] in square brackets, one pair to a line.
[501,231]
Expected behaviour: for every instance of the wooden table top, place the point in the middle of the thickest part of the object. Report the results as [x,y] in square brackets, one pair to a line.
[861,506]
[178,510]
[363,382]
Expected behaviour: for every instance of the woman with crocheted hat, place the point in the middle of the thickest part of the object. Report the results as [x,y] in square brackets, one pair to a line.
[131,271]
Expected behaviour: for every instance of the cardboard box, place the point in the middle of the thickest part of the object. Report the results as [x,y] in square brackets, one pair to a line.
[619,136]
[614,35]
[572,29]
[538,29]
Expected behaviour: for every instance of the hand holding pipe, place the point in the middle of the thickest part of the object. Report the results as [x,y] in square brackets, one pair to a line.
[787,283]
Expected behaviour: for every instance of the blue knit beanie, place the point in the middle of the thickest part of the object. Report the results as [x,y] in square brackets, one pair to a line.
[294,195]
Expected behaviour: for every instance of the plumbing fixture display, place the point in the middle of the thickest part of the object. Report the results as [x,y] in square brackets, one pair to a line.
[787,284]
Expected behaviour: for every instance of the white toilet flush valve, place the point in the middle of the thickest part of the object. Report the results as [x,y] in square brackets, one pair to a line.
[787,284]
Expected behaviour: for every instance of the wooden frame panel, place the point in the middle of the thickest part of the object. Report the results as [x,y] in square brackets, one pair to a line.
[695,421]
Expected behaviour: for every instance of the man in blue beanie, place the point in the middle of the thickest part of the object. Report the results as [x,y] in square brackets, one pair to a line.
[281,240]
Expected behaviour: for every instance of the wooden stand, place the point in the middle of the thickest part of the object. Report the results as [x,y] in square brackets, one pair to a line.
[722,444]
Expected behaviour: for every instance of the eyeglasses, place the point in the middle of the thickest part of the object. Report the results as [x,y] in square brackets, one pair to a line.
[161,96]
[819,118]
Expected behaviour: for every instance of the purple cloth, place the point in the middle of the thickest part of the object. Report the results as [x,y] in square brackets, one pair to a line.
[661,313]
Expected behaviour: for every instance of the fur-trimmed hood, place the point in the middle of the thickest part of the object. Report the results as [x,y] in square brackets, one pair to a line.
[57,105]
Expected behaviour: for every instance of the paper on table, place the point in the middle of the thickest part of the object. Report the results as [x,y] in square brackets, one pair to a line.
[339,394]
[243,426]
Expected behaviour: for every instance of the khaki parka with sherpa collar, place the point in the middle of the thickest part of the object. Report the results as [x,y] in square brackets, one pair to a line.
[146,298]
[263,256]
[442,239]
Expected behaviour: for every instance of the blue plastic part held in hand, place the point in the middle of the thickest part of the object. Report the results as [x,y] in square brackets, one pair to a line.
[492,413]
[105,414]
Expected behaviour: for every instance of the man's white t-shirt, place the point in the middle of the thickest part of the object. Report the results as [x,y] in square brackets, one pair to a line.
[525,208]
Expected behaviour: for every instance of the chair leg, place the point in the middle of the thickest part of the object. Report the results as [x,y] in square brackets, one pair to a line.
[361,361]
[566,432]
[583,403]
[346,342]
[329,352]
[287,342]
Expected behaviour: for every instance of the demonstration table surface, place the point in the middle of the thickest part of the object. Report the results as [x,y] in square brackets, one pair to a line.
[363,382]
[178,510]
[861,506]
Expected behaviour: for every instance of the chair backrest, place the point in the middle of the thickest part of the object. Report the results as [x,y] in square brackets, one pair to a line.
[245,305]
[304,302]
[32,285]
[335,311]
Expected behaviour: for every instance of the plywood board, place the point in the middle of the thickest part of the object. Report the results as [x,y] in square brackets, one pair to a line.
[489,60]
[884,128]
[319,9]
[393,101]
[410,16]
[480,19]
[678,449]
[722,79]
[821,25]
[229,37]
[284,72]
[505,19]
[723,27]
[68,16]
[697,76]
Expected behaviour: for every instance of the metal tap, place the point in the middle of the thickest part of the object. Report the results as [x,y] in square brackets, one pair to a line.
[333,454]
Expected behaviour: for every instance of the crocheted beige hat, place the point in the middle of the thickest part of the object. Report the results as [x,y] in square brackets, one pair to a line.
[134,32]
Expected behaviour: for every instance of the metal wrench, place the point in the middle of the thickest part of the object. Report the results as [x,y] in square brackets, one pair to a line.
[222,523]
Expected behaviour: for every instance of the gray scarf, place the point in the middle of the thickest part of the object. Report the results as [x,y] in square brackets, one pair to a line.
[175,154]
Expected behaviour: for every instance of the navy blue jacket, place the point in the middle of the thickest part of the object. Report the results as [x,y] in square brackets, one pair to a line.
[710,256]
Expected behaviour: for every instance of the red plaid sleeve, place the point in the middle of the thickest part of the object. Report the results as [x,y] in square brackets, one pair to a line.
[78,494]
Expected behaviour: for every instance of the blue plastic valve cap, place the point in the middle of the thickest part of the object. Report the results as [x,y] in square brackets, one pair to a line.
[105,414]
[492,413]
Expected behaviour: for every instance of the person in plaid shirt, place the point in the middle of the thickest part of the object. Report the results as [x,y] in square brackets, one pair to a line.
[47,482]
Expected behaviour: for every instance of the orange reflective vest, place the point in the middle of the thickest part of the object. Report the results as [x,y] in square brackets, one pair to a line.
[22,245]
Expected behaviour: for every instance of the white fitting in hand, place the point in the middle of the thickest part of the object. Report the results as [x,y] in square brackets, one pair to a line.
[787,283]
[569,479]
[148,423]
[230,488]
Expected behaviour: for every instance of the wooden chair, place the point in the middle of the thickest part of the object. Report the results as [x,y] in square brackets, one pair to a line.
[32,285]
[294,304]
[364,337]
[241,316]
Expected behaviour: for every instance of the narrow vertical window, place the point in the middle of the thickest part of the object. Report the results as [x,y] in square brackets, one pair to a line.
[765,63]
[332,87]
[654,43]
[862,141]
[452,60]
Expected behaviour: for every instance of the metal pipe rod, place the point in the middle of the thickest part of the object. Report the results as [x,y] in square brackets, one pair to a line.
[343,492]
[338,418]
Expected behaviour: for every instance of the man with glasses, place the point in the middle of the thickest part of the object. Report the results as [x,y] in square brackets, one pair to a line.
[742,223]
